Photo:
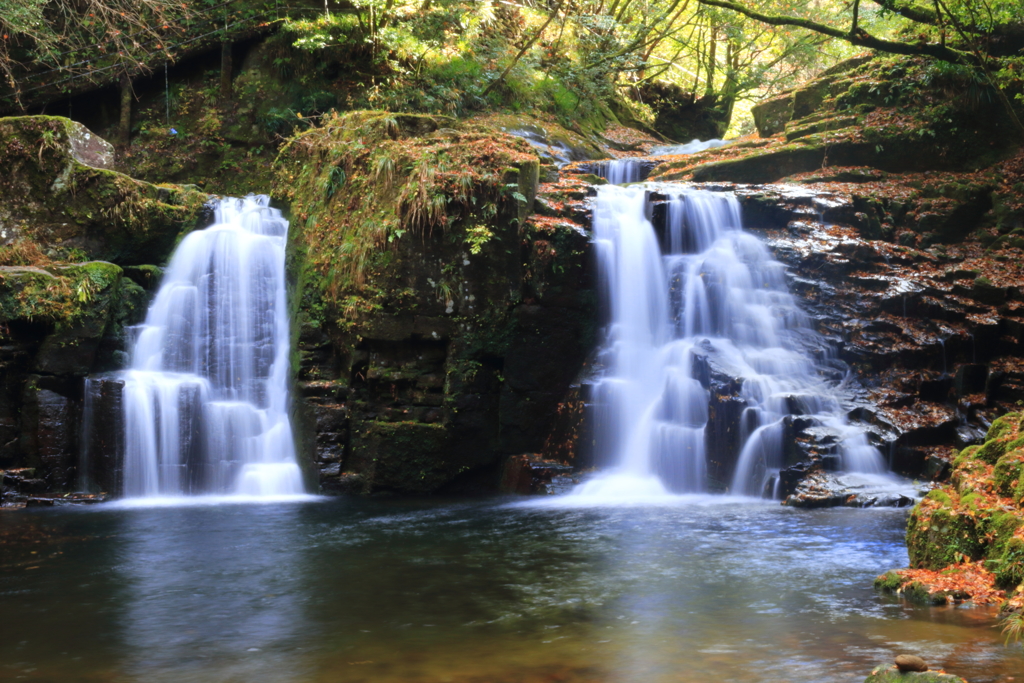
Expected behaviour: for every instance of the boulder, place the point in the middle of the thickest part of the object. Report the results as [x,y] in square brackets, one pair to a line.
[64,202]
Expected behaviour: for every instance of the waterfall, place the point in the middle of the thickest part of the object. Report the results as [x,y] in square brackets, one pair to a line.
[206,396]
[621,171]
[716,293]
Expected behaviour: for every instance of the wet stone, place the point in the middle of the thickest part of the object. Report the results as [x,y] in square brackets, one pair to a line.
[910,663]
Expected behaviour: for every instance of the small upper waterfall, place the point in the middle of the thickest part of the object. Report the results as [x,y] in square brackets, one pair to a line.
[206,396]
[621,171]
[715,292]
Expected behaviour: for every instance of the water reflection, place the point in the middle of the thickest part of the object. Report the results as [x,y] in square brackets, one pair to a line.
[703,589]
[216,598]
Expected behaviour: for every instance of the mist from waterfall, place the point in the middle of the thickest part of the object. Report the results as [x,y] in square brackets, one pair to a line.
[715,296]
[206,395]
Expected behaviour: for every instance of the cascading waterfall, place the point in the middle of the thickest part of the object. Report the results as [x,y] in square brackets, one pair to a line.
[717,293]
[206,396]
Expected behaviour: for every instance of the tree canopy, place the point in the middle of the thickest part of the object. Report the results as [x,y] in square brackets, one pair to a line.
[576,59]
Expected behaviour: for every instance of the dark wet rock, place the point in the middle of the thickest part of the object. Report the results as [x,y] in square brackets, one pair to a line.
[531,473]
[818,489]
[101,463]
[970,379]
[56,500]
[888,673]
[681,115]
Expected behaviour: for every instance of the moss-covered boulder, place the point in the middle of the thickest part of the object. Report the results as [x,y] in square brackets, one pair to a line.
[966,539]
[437,328]
[57,207]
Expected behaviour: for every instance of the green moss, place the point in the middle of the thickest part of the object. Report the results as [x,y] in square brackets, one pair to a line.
[965,455]
[1009,569]
[1007,471]
[362,182]
[970,501]
[890,582]
[1003,426]
[992,450]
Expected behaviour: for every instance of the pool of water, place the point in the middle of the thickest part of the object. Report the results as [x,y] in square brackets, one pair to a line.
[694,589]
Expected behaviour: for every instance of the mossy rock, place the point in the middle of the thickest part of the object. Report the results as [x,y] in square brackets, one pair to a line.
[889,582]
[1007,471]
[965,455]
[771,116]
[75,303]
[939,534]
[1008,565]
[58,208]
[968,520]
[411,257]
[1004,426]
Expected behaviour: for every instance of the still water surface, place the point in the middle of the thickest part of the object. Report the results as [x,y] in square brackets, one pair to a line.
[704,589]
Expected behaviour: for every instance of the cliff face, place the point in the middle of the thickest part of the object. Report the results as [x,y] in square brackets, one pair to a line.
[436,329]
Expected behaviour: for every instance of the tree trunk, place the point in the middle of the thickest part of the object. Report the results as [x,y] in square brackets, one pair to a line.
[225,70]
[124,130]
[709,89]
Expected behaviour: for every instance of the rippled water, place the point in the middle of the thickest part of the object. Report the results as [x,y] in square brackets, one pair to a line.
[695,589]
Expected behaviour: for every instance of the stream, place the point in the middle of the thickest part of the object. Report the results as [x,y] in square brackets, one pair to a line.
[695,588]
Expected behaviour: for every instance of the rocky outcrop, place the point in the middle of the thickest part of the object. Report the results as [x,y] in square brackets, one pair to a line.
[966,539]
[62,203]
[72,236]
[894,116]
[438,329]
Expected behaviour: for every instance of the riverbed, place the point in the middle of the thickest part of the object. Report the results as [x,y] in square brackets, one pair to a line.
[698,588]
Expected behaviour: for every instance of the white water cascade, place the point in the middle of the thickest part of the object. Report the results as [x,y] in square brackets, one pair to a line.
[716,293]
[206,396]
